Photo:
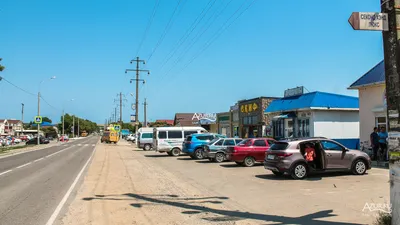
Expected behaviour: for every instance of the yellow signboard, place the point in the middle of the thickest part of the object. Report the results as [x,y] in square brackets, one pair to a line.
[249,108]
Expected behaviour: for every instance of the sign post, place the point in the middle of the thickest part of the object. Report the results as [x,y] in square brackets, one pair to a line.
[369,21]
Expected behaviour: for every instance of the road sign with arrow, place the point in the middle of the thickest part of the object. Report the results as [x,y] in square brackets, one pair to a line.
[369,21]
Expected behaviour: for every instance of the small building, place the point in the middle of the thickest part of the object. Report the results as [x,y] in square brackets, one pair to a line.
[235,120]
[224,123]
[206,120]
[168,122]
[11,127]
[252,120]
[317,114]
[372,101]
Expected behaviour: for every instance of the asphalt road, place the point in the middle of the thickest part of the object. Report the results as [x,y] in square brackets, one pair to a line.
[33,184]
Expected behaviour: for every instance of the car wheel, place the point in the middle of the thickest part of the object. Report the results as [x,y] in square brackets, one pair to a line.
[176,152]
[277,173]
[219,157]
[198,154]
[147,147]
[299,171]
[249,161]
[359,167]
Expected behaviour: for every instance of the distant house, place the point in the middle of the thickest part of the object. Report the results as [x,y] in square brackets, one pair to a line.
[206,120]
[10,127]
[371,92]
[169,122]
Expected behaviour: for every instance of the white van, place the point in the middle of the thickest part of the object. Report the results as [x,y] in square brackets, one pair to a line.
[145,140]
[170,139]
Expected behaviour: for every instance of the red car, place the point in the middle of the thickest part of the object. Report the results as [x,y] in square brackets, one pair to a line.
[249,151]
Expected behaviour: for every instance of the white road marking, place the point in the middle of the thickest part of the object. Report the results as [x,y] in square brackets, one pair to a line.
[38,159]
[86,145]
[93,145]
[79,144]
[5,172]
[24,165]
[65,198]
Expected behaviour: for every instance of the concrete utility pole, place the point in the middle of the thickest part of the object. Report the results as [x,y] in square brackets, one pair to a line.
[391,51]
[63,133]
[78,126]
[137,70]
[38,125]
[120,112]
[73,126]
[145,112]
[22,117]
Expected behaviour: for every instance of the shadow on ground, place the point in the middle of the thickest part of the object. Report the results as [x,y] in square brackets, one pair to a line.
[234,165]
[190,206]
[157,156]
[312,177]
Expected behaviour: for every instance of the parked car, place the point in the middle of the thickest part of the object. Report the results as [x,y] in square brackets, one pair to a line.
[216,150]
[17,140]
[24,138]
[145,140]
[249,151]
[194,144]
[130,137]
[33,141]
[288,157]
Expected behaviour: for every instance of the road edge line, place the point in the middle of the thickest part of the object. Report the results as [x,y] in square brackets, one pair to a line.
[57,211]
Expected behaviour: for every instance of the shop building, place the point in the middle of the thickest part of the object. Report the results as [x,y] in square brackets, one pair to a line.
[372,101]
[206,120]
[235,120]
[252,120]
[224,123]
[316,114]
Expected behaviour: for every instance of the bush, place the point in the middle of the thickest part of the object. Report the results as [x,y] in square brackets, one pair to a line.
[383,219]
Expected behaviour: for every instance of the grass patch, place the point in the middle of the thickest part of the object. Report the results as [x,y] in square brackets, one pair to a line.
[383,219]
[6,149]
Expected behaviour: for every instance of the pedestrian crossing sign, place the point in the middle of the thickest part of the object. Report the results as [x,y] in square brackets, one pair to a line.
[117,127]
[38,119]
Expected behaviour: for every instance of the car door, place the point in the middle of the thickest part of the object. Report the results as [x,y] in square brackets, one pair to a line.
[335,155]
[228,143]
[260,147]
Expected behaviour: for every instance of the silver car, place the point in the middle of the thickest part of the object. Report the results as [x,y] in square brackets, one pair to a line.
[215,150]
[287,156]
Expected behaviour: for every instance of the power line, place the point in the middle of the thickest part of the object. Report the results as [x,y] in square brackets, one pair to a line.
[148,26]
[2,78]
[49,103]
[215,37]
[167,28]
[188,32]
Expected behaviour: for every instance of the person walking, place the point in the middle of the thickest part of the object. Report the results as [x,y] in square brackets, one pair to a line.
[374,139]
[383,135]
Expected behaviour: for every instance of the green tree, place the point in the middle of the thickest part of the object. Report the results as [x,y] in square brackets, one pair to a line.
[160,124]
[46,119]
[1,67]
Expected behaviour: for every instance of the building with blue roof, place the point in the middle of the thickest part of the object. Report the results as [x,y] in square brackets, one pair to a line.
[372,101]
[316,114]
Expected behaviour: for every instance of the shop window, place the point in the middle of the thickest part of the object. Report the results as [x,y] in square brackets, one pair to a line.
[174,134]
[380,122]
[304,128]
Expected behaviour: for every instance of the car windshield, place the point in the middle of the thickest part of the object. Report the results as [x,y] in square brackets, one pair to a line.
[246,142]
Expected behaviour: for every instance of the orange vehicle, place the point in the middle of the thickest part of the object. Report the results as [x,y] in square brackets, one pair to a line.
[84,134]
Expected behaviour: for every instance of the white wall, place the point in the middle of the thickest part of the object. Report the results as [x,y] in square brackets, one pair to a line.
[336,124]
[369,98]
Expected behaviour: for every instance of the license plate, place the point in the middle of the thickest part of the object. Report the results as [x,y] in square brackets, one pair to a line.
[270,157]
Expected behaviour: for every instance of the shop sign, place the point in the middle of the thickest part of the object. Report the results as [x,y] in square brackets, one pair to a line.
[247,108]
[205,118]
[294,91]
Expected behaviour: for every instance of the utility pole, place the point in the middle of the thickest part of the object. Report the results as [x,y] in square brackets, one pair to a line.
[391,51]
[63,133]
[137,70]
[78,127]
[38,125]
[22,117]
[73,126]
[145,112]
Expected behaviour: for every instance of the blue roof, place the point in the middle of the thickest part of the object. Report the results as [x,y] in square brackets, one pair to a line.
[375,76]
[44,124]
[313,99]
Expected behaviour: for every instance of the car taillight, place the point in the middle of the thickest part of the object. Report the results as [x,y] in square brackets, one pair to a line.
[283,155]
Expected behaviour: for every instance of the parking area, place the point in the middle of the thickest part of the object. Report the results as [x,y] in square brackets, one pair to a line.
[180,190]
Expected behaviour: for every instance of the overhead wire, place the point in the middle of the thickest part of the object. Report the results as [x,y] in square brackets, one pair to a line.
[218,34]
[204,29]
[21,89]
[188,32]
[41,97]
[167,28]
[149,23]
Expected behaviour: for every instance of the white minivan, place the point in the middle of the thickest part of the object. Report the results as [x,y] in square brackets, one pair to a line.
[170,139]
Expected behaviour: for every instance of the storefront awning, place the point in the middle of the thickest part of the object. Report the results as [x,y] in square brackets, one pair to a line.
[285,116]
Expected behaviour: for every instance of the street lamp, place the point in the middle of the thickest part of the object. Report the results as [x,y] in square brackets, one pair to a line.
[38,125]
[63,133]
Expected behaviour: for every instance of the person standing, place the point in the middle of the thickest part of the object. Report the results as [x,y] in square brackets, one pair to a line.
[374,139]
[383,135]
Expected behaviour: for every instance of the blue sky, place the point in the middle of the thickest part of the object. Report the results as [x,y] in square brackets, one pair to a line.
[87,45]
